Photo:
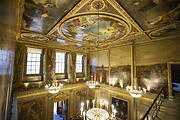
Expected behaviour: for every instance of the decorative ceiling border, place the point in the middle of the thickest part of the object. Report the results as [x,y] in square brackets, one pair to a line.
[19,13]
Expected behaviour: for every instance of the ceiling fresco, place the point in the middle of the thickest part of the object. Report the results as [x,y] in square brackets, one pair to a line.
[98,24]
[152,13]
[42,15]
[94,28]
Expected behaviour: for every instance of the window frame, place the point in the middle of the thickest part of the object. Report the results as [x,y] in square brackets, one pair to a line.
[84,67]
[41,62]
[65,62]
[82,64]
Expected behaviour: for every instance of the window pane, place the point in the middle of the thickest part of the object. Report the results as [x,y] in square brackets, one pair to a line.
[79,63]
[33,61]
[60,61]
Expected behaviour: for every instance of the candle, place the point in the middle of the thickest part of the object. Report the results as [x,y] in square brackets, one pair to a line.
[135,87]
[112,106]
[26,85]
[107,105]
[115,112]
[93,102]
[81,111]
[144,90]
[82,104]
[84,114]
[87,102]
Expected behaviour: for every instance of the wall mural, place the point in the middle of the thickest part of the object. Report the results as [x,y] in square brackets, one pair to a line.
[121,107]
[120,76]
[32,110]
[152,77]
[152,13]
[42,15]
[92,28]
[99,73]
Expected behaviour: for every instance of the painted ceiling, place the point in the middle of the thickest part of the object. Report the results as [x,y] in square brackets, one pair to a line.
[93,24]
[92,28]
[42,15]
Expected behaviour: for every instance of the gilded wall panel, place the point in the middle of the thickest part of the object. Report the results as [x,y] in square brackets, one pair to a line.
[50,64]
[32,109]
[120,56]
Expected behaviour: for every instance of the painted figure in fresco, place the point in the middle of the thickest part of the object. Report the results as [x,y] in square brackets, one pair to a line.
[42,15]
[92,28]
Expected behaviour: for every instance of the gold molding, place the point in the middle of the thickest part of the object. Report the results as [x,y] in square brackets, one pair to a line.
[46,92]
[98,1]
[126,95]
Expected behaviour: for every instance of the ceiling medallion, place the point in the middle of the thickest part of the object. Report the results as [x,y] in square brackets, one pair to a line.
[95,27]
[98,4]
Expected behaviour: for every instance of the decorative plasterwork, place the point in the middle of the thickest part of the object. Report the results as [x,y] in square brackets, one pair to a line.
[112,9]
[82,24]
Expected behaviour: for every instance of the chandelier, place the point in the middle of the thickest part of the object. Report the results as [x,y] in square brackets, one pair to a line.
[137,93]
[92,84]
[99,111]
[54,87]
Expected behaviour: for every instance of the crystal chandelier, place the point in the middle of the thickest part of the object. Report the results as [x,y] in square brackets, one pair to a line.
[54,87]
[92,84]
[99,112]
[136,92]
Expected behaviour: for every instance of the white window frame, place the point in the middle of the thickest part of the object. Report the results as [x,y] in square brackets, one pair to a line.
[33,62]
[79,63]
[60,63]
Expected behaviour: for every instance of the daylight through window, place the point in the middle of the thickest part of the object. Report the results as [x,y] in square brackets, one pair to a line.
[33,61]
[79,63]
[60,62]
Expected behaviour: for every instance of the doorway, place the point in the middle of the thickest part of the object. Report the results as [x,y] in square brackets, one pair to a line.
[60,111]
[175,77]
[121,107]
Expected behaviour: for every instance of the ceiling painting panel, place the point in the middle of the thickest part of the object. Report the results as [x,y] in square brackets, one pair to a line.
[94,28]
[152,13]
[42,15]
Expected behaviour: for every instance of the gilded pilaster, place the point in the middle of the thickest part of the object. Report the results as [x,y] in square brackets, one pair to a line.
[19,65]
[72,64]
[50,64]
[88,67]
